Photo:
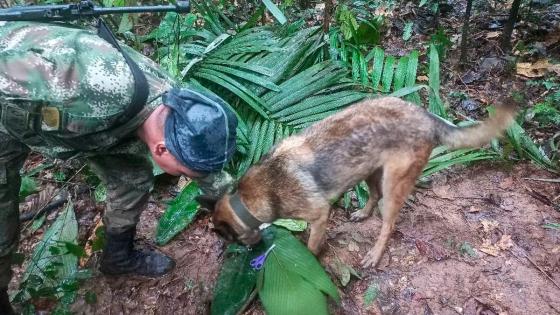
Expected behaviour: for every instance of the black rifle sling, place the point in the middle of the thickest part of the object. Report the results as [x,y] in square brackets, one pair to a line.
[141,88]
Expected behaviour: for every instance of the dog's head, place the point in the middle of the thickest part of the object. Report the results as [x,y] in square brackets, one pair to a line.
[229,226]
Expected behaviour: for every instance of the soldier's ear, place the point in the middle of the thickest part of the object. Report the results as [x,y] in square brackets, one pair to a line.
[206,202]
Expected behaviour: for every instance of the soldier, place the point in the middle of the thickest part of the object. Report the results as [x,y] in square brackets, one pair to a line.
[65,92]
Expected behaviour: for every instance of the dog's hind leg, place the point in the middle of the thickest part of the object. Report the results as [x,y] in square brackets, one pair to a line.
[375,193]
[399,177]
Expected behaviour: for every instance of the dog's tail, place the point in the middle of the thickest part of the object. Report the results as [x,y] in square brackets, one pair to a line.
[476,135]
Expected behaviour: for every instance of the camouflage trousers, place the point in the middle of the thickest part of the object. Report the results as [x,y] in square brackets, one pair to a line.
[128,178]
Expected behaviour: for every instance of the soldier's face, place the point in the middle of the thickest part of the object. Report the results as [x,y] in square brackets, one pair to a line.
[170,164]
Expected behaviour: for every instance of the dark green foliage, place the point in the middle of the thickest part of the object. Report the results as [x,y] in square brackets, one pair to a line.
[180,213]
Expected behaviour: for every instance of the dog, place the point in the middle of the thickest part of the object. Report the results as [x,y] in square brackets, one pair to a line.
[385,141]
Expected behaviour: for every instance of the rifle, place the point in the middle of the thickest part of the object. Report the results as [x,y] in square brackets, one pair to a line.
[82,10]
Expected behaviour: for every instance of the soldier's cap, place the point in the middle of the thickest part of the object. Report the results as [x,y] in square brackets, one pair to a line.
[200,130]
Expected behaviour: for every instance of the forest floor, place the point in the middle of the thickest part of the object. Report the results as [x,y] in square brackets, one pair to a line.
[480,239]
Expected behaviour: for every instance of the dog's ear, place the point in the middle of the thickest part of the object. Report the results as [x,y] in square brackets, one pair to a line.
[206,202]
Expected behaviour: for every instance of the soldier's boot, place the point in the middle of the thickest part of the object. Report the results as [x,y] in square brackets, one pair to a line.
[5,307]
[119,257]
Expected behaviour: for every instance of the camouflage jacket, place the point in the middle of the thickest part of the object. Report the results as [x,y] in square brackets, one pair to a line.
[81,75]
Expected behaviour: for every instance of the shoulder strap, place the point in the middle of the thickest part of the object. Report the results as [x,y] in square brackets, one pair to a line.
[141,88]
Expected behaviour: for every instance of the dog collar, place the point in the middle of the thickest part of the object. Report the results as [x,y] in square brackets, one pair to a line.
[242,212]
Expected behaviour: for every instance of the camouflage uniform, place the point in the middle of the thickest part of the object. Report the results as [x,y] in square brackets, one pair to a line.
[61,88]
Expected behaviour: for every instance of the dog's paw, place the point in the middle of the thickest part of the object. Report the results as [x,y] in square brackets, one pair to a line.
[358,216]
[370,260]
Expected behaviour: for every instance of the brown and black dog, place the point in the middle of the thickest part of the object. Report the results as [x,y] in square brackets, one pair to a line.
[384,141]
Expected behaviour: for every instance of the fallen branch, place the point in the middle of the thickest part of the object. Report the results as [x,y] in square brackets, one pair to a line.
[548,180]
[534,265]
[54,204]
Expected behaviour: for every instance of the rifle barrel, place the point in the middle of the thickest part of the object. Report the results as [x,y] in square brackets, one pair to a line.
[79,11]
[157,8]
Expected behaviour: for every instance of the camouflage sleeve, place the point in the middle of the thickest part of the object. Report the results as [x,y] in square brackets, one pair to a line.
[216,184]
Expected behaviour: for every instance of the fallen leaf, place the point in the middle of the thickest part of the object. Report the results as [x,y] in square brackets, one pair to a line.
[505,242]
[489,249]
[533,70]
[491,35]
[555,69]
[488,225]
[344,272]
[353,247]
[88,247]
[473,209]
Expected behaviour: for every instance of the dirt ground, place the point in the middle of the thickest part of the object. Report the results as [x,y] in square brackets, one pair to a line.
[471,243]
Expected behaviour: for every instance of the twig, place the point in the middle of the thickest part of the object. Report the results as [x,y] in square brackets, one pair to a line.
[248,302]
[549,180]
[55,193]
[536,266]
[46,209]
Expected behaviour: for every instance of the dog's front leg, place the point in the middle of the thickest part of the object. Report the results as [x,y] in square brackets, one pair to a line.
[375,193]
[317,235]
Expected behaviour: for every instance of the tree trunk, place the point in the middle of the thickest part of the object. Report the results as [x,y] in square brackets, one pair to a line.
[465,34]
[327,15]
[508,29]
[304,4]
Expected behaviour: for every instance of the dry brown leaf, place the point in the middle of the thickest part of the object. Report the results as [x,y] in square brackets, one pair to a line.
[489,249]
[491,35]
[473,209]
[353,247]
[555,69]
[505,242]
[533,70]
[91,238]
[488,225]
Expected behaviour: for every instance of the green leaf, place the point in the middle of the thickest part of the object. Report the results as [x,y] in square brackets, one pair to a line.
[99,241]
[125,25]
[156,170]
[179,214]
[75,250]
[411,76]
[38,223]
[278,15]
[408,90]
[407,30]
[362,194]
[371,293]
[378,58]
[59,176]
[294,256]
[363,70]
[356,67]
[90,297]
[400,73]
[284,291]
[388,70]
[441,159]
[64,229]
[28,187]
[100,193]
[236,281]
[555,226]
[526,147]
[291,224]
[435,105]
